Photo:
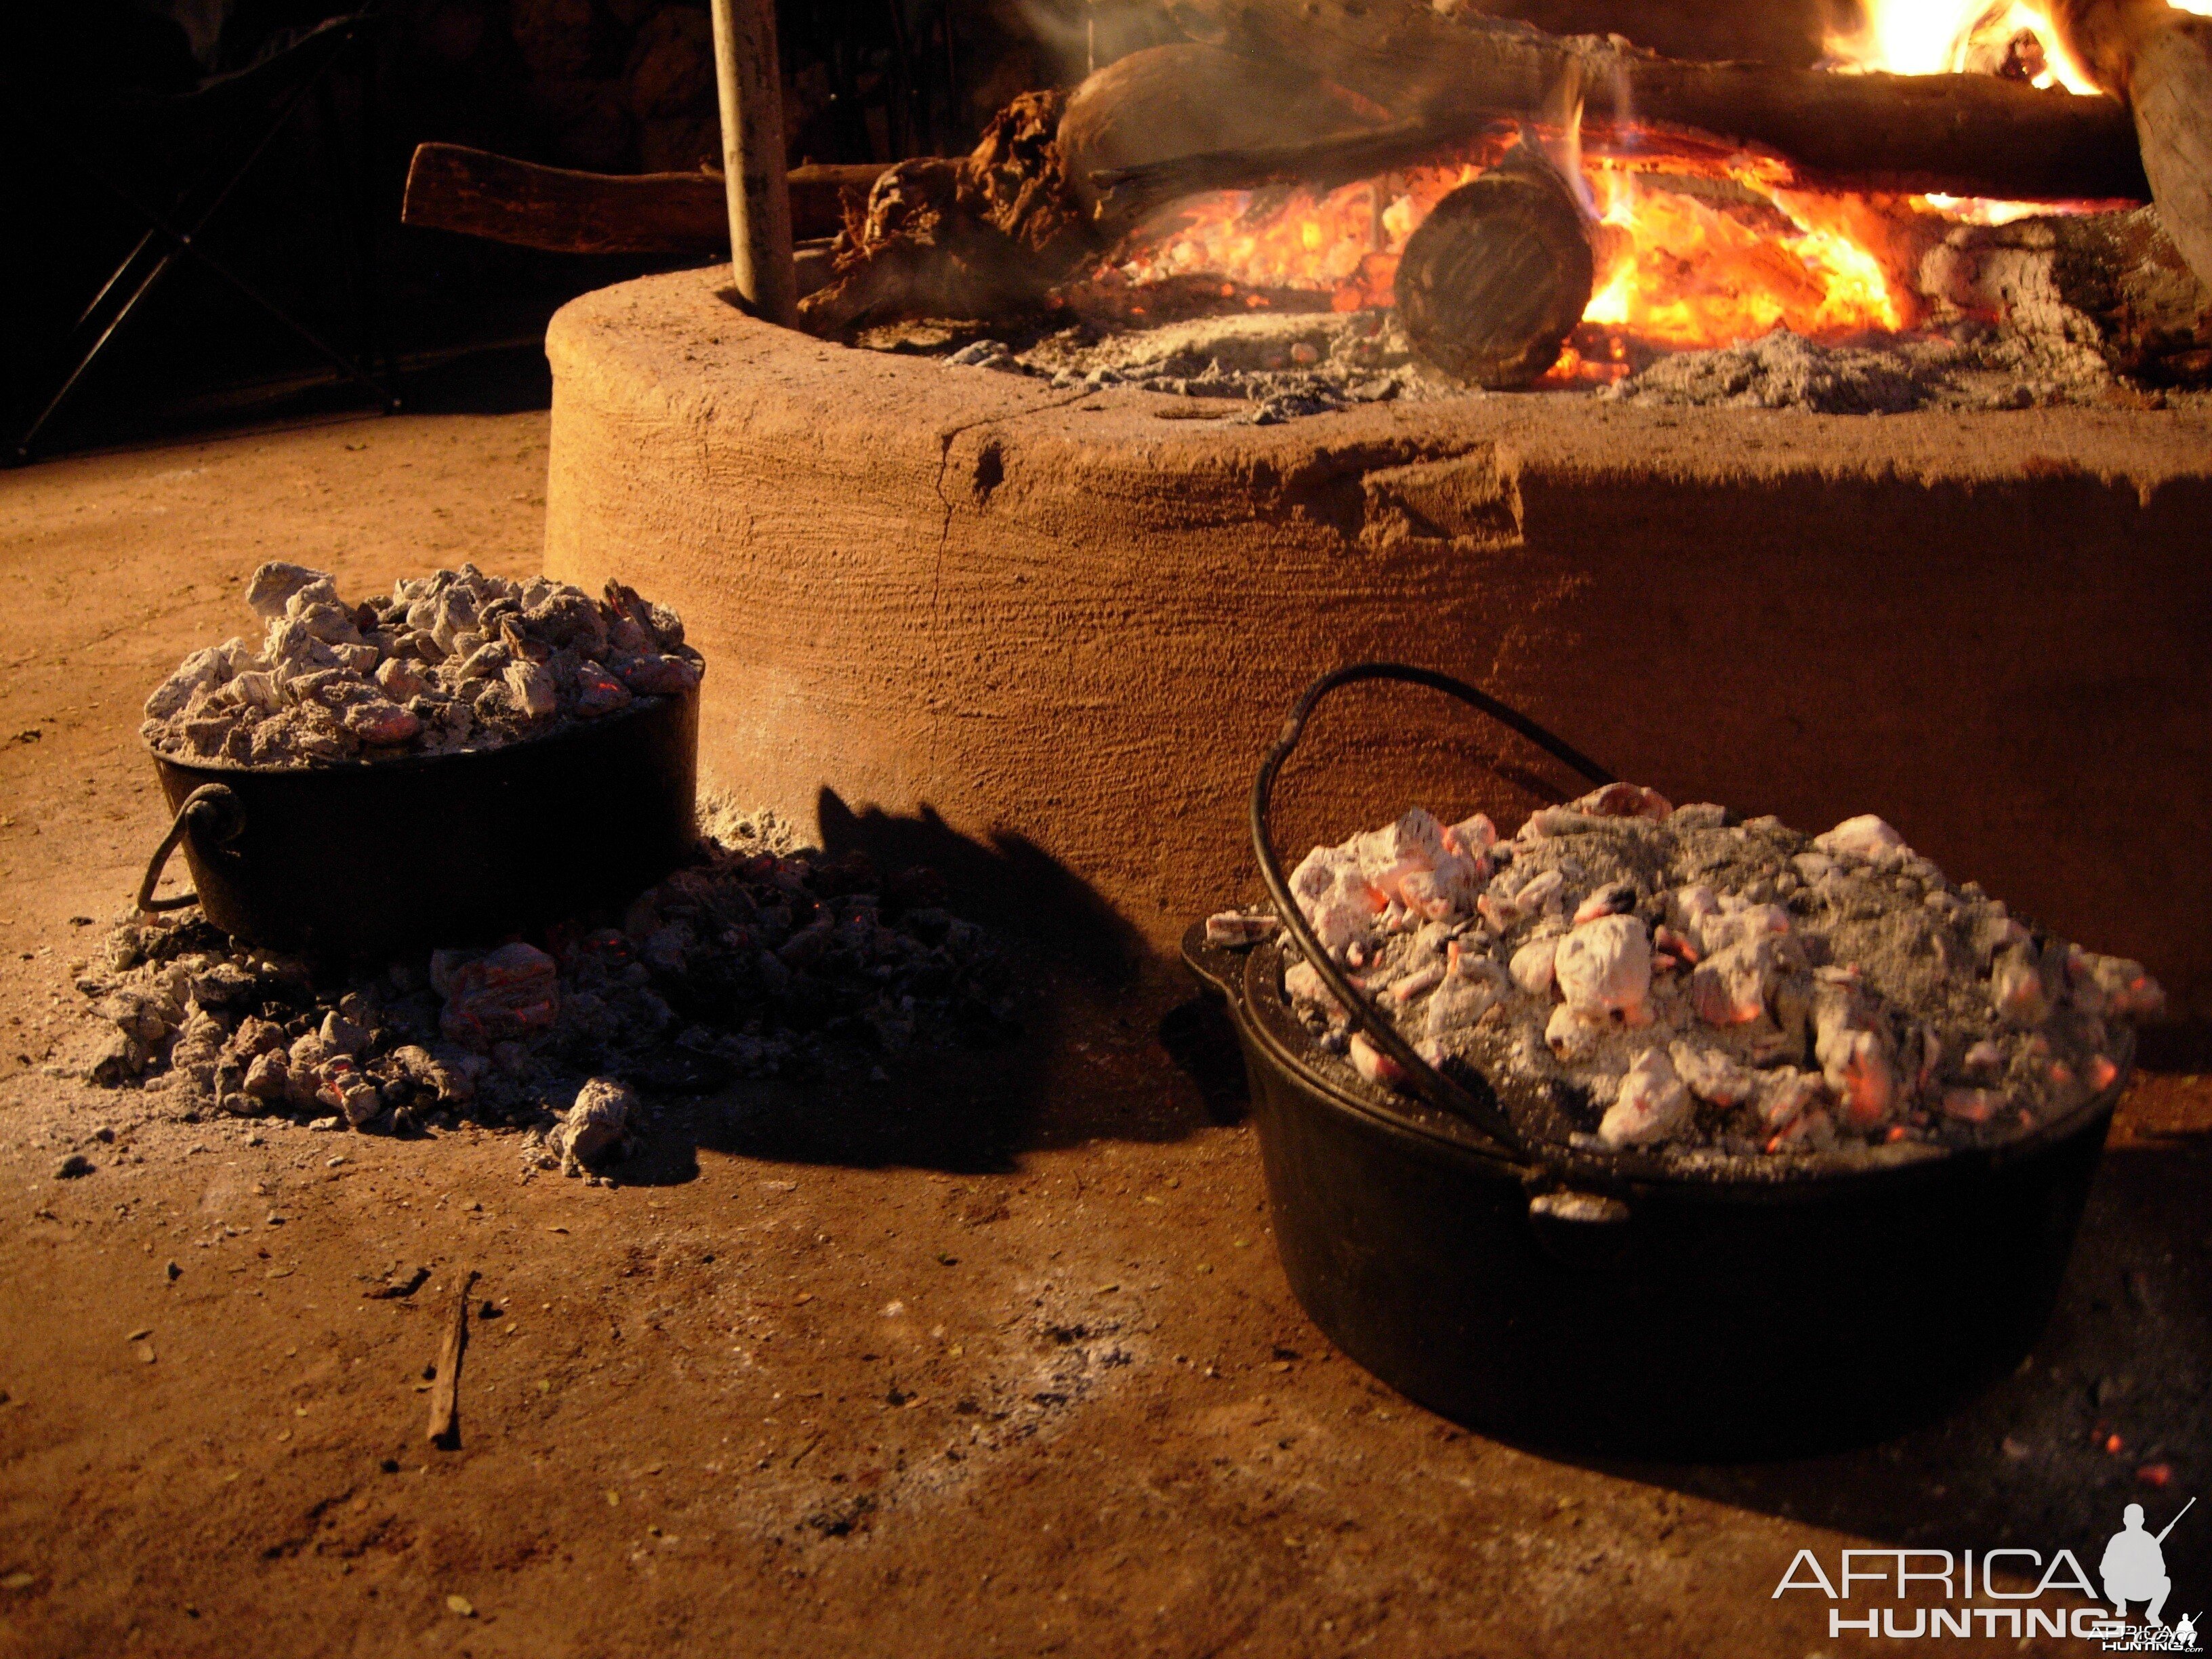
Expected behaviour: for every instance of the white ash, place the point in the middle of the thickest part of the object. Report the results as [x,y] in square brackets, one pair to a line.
[743,965]
[1661,978]
[598,1127]
[1980,368]
[455,661]
[1285,365]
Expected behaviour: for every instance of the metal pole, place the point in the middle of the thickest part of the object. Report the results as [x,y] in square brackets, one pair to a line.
[753,166]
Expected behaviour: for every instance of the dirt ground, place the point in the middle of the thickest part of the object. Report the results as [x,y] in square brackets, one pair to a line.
[994,1357]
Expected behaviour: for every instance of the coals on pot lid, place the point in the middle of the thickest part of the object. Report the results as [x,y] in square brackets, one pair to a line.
[454,660]
[1667,979]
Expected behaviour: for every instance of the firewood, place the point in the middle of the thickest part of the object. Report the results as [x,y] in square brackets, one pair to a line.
[1126,195]
[1502,270]
[445,1395]
[1764,31]
[2114,281]
[1953,134]
[987,235]
[2160,59]
[1498,275]
[453,187]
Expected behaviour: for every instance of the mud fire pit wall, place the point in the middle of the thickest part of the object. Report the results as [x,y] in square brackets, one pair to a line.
[1062,625]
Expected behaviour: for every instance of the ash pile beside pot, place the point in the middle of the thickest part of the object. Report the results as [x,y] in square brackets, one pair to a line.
[1661,977]
[455,661]
[746,964]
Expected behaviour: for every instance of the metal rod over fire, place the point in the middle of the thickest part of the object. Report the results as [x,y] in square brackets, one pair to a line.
[747,74]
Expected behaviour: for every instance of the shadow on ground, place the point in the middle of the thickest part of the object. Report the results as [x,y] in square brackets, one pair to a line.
[1091,1056]
[2111,1408]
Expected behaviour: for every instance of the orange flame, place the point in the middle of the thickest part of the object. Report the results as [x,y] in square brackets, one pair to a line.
[1685,267]
[1684,273]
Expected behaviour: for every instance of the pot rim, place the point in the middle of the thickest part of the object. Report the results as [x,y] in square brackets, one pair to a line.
[1266,1027]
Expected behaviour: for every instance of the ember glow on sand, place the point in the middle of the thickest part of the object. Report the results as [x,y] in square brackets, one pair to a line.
[1679,269]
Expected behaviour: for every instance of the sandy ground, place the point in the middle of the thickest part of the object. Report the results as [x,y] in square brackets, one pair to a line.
[995,1357]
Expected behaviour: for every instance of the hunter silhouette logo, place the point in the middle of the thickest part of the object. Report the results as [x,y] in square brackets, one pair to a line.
[1934,1594]
[2133,1568]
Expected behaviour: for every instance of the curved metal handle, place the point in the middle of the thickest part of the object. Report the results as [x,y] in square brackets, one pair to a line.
[1431,1084]
[216,810]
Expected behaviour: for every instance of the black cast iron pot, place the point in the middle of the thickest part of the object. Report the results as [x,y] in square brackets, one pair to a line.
[1613,1304]
[370,857]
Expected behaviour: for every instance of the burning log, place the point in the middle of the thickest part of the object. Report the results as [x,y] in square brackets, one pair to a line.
[1766,31]
[2160,59]
[1499,274]
[1448,75]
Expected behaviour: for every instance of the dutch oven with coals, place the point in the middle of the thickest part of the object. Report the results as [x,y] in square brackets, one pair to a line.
[370,858]
[1612,1303]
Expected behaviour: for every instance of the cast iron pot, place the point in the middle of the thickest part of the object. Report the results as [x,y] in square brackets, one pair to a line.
[1610,1305]
[368,859]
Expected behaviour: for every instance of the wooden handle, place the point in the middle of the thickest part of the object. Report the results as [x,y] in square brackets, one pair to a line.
[477,193]
[751,88]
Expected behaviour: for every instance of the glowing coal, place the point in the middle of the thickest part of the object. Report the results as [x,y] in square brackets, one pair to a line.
[1663,977]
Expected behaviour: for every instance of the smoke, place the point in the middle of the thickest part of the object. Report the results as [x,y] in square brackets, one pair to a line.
[1078,37]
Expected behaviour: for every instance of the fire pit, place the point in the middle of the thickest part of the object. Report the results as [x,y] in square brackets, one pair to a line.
[1067,615]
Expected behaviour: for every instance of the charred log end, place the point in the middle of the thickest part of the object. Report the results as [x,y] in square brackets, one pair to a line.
[1497,277]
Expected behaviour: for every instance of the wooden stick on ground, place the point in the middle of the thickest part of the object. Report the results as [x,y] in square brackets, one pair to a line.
[747,76]
[445,1394]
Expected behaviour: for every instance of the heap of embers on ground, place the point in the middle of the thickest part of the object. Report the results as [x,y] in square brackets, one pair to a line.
[748,962]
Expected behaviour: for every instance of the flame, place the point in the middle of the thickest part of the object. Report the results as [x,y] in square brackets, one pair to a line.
[1681,267]
[1695,275]
[1683,273]
[1945,37]
[1950,37]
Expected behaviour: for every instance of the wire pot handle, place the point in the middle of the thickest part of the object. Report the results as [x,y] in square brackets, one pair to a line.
[217,811]
[1425,1079]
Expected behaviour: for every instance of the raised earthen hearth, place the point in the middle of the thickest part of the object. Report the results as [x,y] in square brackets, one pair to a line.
[1074,618]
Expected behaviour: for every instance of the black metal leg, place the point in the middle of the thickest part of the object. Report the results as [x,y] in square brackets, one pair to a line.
[183,242]
[30,435]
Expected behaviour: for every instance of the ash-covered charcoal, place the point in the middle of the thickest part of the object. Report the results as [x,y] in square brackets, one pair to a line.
[1784,370]
[457,661]
[1977,369]
[744,964]
[1665,978]
[1286,366]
